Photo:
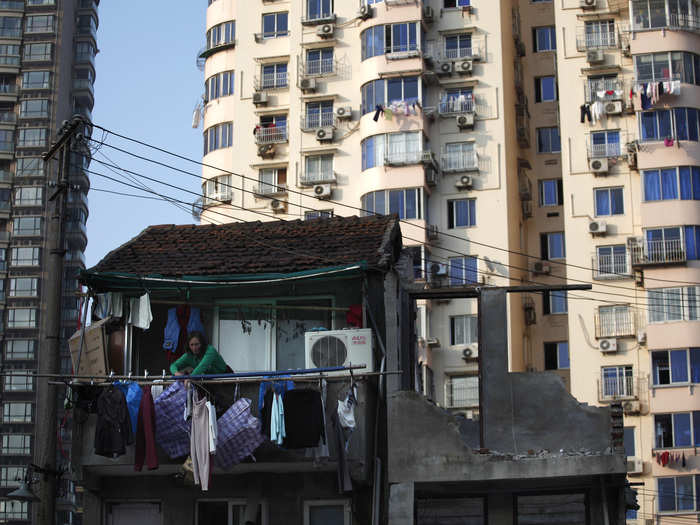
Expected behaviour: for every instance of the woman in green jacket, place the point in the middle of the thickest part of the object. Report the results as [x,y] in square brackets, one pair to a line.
[201,358]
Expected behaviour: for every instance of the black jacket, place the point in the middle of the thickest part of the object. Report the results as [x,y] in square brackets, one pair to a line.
[113,430]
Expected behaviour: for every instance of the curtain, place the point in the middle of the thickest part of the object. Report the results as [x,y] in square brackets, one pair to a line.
[685,183]
[652,186]
[690,245]
[679,366]
[669,184]
[602,202]
[681,431]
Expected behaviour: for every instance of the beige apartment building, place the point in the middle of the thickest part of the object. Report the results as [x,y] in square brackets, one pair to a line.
[449,113]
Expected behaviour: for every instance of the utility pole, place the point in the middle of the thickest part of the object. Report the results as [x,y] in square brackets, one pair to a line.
[50,347]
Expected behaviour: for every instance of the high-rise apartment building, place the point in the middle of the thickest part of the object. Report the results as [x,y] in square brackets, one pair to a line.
[513,140]
[47,70]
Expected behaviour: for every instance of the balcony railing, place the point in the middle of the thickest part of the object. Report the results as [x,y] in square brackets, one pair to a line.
[473,52]
[275,135]
[5,176]
[404,158]
[83,83]
[596,40]
[604,89]
[9,60]
[460,396]
[610,267]
[399,52]
[456,105]
[210,49]
[599,151]
[7,146]
[617,388]
[461,161]
[16,6]
[671,251]
[10,32]
[616,322]
[319,68]
[683,22]
[268,188]
[312,121]
[272,81]
[318,178]
[318,18]
[8,89]
[8,117]
[85,58]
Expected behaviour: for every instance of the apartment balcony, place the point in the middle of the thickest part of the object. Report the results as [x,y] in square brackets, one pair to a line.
[456,106]
[475,52]
[646,77]
[616,322]
[612,389]
[658,253]
[8,92]
[458,395]
[596,40]
[89,31]
[76,234]
[311,179]
[313,121]
[85,58]
[78,198]
[459,162]
[314,19]
[215,199]
[272,81]
[11,6]
[406,158]
[676,21]
[6,177]
[319,68]
[611,267]
[8,118]
[10,32]
[32,143]
[400,52]
[9,61]
[276,135]
[603,151]
[5,208]
[84,84]
[209,50]
[604,90]
[7,149]
[75,258]
[270,189]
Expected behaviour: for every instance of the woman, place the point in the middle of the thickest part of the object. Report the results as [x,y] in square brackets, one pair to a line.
[200,358]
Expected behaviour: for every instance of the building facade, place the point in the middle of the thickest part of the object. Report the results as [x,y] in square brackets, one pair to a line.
[47,70]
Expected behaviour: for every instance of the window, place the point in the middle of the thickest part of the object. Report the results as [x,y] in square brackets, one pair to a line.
[681,493]
[660,67]
[628,441]
[273,180]
[84,52]
[18,381]
[21,318]
[221,34]
[664,184]
[556,356]
[406,203]
[19,349]
[384,92]
[16,444]
[545,89]
[24,256]
[10,26]
[320,62]
[548,140]
[551,192]
[34,108]
[393,148]
[679,123]
[275,25]
[600,34]
[14,510]
[448,4]
[29,196]
[674,304]
[681,429]
[617,381]
[545,38]
[17,412]
[274,76]
[9,55]
[461,213]
[217,190]
[458,46]
[459,156]
[37,52]
[319,114]
[673,244]
[540,509]
[218,136]
[319,9]
[329,512]
[611,262]
[670,367]
[554,302]
[401,38]
[372,42]
[29,167]
[459,100]
[320,214]
[609,201]
[463,329]
[219,85]
[318,168]
[23,287]
[605,144]
[598,86]
[11,476]
[463,270]
[227,511]
[615,321]
[31,137]
[40,24]
[439,510]
[462,391]
[26,226]
[552,246]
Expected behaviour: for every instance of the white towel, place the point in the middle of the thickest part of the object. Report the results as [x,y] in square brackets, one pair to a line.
[212,428]
[140,315]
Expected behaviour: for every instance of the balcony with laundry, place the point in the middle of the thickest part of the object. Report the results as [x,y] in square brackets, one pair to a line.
[663,246]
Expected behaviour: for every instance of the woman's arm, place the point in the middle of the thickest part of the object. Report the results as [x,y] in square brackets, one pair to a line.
[205,364]
[183,362]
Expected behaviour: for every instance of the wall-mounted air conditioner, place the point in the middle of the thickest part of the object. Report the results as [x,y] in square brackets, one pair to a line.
[631,407]
[343,112]
[259,98]
[334,348]
[598,166]
[307,85]
[326,30]
[365,12]
[597,227]
[324,134]
[465,182]
[438,268]
[278,206]
[587,4]
[541,268]
[428,14]
[464,67]
[614,107]
[465,121]
[608,345]
[635,465]
[323,191]
[471,351]
[444,68]
[595,56]
[266,151]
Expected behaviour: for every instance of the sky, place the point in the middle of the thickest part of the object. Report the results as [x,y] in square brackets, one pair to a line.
[146,88]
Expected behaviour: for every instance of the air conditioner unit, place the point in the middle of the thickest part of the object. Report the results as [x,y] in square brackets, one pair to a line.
[428,14]
[471,351]
[635,241]
[365,12]
[326,30]
[597,227]
[266,151]
[464,67]
[465,121]
[530,315]
[431,176]
[642,337]
[278,206]
[588,4]
[635,465]
[220,197]
[334,348]
[527,209]
[595,56]
[541,268]
[344,112]
[613,107]
[598,165]
[631,407]
[632,161]
[438,268]
[445,68]
[464,182]
[323,191]
[433,232]
[608,345]
[259,98]
[307,84]
[324,134]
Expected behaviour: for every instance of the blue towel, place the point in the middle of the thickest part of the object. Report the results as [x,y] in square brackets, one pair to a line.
[133,394]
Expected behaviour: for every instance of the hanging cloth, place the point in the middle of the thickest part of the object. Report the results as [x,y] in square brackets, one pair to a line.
[140,314]
[145,434]
[199,441]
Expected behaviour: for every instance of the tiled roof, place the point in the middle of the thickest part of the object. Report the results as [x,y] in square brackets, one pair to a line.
[256,247]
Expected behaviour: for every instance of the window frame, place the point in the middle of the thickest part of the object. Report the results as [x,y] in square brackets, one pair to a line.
[659,304]
[386,199]
[467,269]
[540,91]
[676,492]
[277,33]
[28,415]
[320,174]
[28,354]
[469,329]
[691,369]
[547,246]
[548,303]
[347,508]
[550,37]
[218,136]
[693,419]
[453,214]
[547,138]
[18,380]
[612,202]
[561,352]
[675,183]
[558,192]
[24,450]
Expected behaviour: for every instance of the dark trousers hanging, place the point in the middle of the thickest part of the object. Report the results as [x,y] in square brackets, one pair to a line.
[585,112]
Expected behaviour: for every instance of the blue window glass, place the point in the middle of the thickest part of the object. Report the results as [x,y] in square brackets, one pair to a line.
[545,89]
[667,494]
[664,117]
[686,183]
[458,46]
[548,140]
[411,204]
[609,201]
[545,39]
[394,90]
[681,430]
[679,366]
[396,203]
[696,429]
[669,184]
[652,185]
[550,192]
[461,213]
[693,124]
[557,302]
[373,42]
[555,245]
[379,202]
[650,130]
[316,9]
[410,88]
[463,270]
[695,378]
[563,354]
[681,124]
[628,440]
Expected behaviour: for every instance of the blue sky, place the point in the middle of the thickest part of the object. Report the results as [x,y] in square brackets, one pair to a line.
[146,87]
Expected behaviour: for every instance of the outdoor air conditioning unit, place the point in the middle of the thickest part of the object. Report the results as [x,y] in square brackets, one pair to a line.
[278,206]
[433,232]
[431,176]
[471,351]
[266,151]
[365,12]
[613,107]
[343,112]
[635,465]
[464,67]
[334,348]
[445,68]
[595,56]
[323,191]
[598,165]
[307,84]
[635,241]
[324,134]
[326,30]
[465,121]
[259,98]
[588,4]
[632,161]
[541,268]
[438,268]
[631,407]
[464,182]
[642,337]
[608,345]
[597,227]
[428,14]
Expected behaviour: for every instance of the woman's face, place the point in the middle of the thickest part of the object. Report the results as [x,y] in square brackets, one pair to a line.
[195,345]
